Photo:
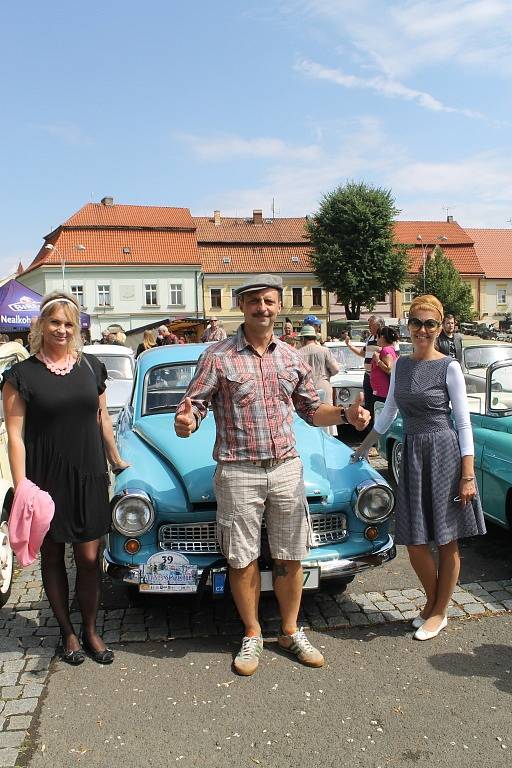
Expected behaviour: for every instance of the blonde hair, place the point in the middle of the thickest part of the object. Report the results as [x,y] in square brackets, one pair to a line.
[149,339]
[427,303]
[49,305]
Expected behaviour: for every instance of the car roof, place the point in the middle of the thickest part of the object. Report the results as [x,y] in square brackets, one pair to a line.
[13,348]
[107,349]
[170,354]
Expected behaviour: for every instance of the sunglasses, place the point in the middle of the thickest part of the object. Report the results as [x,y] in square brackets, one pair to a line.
[429,325]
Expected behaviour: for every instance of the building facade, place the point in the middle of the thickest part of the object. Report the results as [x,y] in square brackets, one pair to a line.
[494,251]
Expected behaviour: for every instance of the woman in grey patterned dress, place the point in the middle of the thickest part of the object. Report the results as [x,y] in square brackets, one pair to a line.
[437,495]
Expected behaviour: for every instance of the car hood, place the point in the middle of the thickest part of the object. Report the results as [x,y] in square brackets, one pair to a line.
[193,463]
[348,378]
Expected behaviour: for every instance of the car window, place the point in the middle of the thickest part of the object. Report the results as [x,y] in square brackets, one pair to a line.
[501,389]
[405,347]
[164,387]
[346,358]
[118,366]
[482,357]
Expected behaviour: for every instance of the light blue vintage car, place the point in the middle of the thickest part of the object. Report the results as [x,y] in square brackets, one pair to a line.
[163,537]
[491,420]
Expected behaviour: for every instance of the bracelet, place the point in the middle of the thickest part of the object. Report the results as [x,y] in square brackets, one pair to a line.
[468,479]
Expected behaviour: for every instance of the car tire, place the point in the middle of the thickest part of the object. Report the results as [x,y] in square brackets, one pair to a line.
[395,459]
[6,560]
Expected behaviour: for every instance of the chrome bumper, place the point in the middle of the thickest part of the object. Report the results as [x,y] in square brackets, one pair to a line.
[333,568]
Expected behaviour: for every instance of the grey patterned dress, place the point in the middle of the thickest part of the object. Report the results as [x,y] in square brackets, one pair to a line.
[431,463]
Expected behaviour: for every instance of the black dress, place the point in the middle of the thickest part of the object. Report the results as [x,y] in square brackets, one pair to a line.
[64,450]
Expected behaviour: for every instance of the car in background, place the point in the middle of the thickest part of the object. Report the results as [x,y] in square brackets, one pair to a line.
[120,364]
[164,534]
[476,358]
[10,353]
[491,420]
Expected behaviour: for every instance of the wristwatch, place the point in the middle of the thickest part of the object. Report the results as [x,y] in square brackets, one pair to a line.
[343,416]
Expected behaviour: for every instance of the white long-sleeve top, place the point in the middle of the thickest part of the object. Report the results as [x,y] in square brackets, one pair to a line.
[456,389]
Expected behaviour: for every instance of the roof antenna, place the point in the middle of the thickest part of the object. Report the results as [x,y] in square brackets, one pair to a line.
[273,208]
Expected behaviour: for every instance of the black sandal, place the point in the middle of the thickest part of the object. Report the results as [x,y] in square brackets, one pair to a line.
[71,657]
[100,657]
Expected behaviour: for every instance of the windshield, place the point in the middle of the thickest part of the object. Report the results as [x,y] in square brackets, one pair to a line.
[501,389]
[346,358]
[165,386]
[118,366]
[482,357]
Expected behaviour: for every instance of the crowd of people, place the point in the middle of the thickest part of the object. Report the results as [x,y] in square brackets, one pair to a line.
[254,382]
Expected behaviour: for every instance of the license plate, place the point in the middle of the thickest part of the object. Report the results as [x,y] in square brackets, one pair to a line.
[311,580]
[168,572]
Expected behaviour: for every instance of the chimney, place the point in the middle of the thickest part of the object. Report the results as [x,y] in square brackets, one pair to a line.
[449,219]
[257,217]
[216,218]
[108,202]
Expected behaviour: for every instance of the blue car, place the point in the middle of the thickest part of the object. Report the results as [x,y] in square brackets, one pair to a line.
[163,537]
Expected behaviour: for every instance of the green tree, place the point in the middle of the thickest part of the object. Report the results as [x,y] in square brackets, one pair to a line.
[444,281]
[354,253]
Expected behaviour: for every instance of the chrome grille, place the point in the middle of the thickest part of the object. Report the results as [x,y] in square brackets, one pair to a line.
[329,529]
[189,537]
[202,537]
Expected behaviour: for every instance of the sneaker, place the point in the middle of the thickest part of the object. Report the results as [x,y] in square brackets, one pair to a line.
[299,645]
[248,657]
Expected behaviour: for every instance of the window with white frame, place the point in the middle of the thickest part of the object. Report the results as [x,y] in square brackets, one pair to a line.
[216,298]
[234,298]
[78,292]
[297,297]
[317,296]
[408,294]
[501,296]
[150,294]
[104,295]
[176,294]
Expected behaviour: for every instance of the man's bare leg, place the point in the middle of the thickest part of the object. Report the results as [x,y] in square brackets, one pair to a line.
[287,579]
[245,586]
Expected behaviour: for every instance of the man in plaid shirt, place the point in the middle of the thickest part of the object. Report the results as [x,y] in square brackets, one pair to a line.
[254,382]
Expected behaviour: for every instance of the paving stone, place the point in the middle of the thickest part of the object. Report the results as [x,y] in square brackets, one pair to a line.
[375,597]
[474,608]
[454,612]
[393,593]
[8,757]
[111,624]
[11,692]
[161,633]
[501,595]
[392,615]
[32,689]
[349,607]
[19,707]
[474,586]
[494,607]
[27,678]
[358,620]
[412,593]
[134,636]
[117,613]
[19,723]
[334,622]
[8,678]
[50,642]
[490,586]
[384,605]
[410,614]
[12,739]
[112,636]
[375,617]
[47,631]
[508,604]
[463,598]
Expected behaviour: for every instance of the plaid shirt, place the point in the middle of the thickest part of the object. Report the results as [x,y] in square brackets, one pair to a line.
[253,397]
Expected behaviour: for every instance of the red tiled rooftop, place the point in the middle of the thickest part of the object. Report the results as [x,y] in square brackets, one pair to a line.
[106,247]
[241,230]
[100,215]
[254,258]
[464,258]
[494,250]
[432,232]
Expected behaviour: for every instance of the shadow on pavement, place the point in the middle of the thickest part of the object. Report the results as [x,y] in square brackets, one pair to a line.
[487,661]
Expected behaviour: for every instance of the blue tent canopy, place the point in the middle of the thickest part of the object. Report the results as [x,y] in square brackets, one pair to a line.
[19,304]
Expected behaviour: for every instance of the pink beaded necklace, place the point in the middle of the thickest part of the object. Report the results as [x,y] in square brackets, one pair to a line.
[59,370]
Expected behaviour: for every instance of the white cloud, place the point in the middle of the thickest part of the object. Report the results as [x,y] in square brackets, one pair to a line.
[229,146]
[385,86]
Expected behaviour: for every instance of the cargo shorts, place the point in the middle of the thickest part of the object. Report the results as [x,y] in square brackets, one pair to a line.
[246,493]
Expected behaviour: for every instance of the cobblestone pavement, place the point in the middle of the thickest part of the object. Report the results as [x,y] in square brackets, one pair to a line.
[30,633]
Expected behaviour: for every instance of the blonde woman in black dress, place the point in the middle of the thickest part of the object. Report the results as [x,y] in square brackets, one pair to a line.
[437,494]
[52,403]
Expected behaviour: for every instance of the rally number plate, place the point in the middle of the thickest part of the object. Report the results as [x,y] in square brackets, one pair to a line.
[168,572]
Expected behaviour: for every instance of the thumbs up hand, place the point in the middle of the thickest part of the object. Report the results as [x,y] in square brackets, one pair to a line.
[356,415]
[185,421]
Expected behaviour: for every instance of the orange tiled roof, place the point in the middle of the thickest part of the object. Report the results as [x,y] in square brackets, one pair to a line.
[106,247]
[494,250]
[463,257]
[154,216]
[431,232]
[254,258]
[238,230]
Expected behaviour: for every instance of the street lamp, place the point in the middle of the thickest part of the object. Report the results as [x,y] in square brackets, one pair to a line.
[424,248]
[50,247]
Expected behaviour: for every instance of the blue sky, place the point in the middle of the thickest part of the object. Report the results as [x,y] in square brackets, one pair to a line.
[230,104]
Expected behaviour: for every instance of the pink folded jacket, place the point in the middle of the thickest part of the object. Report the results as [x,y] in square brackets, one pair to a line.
[31,514]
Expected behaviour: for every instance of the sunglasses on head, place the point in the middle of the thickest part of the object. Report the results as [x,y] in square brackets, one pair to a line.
[429,325]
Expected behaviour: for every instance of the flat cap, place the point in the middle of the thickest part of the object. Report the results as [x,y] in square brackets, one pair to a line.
[259,282]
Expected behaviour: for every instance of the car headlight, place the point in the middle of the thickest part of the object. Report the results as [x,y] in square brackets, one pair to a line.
[374,502]
[133,513]
[343,395]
